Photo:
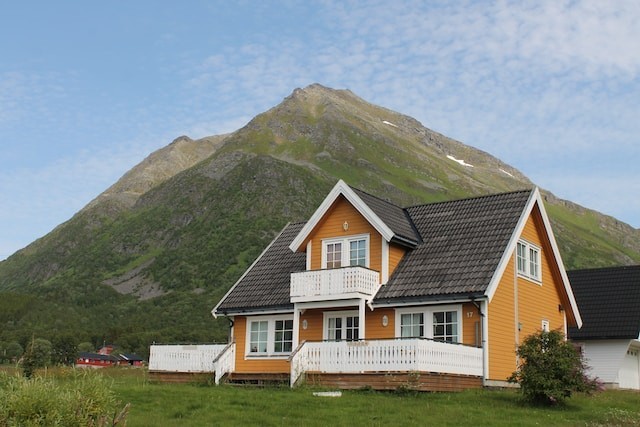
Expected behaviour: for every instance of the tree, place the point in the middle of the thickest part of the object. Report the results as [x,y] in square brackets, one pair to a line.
[38,355]
[13,351]
[65,350]
[550,369]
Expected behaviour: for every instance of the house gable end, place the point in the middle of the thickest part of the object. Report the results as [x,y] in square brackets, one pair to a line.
[340,189]
[536,206]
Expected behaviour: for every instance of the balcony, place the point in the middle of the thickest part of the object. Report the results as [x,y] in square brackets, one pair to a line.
[334,284]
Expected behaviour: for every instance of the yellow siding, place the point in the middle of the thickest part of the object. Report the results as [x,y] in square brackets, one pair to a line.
[535,302]
[469,319]
[395,255]
[314,320]
[373,326]
[331,226]
[253,365]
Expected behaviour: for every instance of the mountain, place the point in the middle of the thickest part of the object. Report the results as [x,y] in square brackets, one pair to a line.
[147,259]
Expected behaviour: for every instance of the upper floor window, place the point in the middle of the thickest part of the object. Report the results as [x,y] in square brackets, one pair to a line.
[346,251]
[528,260]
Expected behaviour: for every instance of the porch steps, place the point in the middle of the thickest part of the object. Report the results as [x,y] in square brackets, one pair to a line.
[419,381]
[257,379]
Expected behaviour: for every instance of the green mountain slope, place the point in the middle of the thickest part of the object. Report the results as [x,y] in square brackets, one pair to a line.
[147,260]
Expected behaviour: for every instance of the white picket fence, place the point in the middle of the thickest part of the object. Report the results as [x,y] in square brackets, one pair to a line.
[184,358]
[385,355]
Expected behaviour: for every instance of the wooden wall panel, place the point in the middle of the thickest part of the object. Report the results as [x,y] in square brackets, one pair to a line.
[332,227]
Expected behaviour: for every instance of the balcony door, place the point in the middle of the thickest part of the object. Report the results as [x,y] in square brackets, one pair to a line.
[346,252]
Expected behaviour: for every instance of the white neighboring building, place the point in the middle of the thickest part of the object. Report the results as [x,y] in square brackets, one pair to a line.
[609,302]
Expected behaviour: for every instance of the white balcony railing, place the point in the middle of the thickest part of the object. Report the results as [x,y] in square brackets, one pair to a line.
[385,355]
[332,284]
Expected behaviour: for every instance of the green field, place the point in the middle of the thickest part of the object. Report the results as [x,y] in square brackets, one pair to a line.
[208,405]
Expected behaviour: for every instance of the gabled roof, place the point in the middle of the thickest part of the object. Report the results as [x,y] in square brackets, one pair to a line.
[458,250]
[393,225]
[396,218]
[609,301]
[463,242]
[265,284]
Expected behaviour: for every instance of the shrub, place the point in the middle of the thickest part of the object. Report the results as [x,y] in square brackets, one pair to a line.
[37,355]
[83,399]
[550,369]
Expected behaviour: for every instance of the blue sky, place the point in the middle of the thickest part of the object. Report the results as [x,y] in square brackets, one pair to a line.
[88,89]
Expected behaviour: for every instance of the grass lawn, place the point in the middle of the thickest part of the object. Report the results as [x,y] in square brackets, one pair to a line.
[207,405]
[158,405]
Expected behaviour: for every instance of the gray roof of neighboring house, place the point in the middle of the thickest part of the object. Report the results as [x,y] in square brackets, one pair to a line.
[459,246]
[462,244]
[609,302]
[266,284]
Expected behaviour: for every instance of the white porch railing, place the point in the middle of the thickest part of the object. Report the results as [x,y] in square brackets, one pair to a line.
[184,358]
[335,283]
[225,362]
[385,355]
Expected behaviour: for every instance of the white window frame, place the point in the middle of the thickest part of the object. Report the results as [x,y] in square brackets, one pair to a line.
[427,316]
[343,315]
[271,333]
[528,272]
[346,248]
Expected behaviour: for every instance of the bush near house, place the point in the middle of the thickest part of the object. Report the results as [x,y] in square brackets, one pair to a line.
[550,369]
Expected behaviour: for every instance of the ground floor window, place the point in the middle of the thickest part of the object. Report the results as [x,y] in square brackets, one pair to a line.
[341,326]
[439,323]
[445,326]
[269,336]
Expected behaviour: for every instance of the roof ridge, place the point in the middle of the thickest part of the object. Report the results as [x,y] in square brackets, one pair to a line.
[610,267]
[485,196]
[375,197]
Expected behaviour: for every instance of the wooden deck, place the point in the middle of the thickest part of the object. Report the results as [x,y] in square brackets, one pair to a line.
[258,379]
[180,377]
[419,381]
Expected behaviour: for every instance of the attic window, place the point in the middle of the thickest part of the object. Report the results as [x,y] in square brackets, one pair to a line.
[528,260]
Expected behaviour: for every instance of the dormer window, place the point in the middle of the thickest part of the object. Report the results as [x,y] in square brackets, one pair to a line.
[346,251]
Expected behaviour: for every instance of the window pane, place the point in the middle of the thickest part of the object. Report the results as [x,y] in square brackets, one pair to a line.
[283,338]
[334,255]
[445,326]
[412,325]
[533,263]
[258,337]
[358,252]
[522,258]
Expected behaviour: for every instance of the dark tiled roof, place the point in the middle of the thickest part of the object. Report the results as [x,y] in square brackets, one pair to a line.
[266,285]
[393,216]
[96,356]
[462,244]
[609,302]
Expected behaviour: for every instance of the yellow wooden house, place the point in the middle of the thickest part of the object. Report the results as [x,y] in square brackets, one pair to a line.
[429,297]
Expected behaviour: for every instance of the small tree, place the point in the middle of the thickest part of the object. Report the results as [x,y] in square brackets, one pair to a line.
[37,355]
[550,369]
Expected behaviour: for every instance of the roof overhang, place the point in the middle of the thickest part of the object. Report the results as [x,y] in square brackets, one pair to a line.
[535,199]
[340,189]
